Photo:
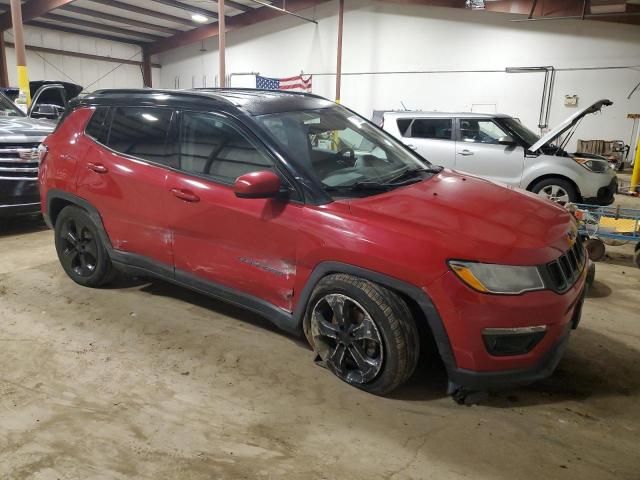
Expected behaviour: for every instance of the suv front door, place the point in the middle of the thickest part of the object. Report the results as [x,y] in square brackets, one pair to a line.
[480,150]
[247,245]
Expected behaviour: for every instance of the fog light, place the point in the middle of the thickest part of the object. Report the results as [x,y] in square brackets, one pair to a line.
[512,341]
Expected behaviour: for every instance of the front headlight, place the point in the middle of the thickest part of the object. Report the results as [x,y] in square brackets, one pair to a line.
[593,165]
[499,279]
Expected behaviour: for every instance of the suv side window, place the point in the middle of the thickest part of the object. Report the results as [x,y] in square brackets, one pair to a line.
[212,147]
[96,126]
[143,132]
[480,131]
[403,126]
[432,128]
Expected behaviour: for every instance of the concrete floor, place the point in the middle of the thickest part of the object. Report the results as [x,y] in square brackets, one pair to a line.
[150,381]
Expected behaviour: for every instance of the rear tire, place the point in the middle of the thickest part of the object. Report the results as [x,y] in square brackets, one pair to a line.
[364,333]
[80,249]
[557,190]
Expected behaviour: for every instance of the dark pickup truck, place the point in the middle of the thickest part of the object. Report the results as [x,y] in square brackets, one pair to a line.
[20,135]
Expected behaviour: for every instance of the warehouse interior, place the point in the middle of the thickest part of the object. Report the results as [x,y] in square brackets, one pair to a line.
[137,363]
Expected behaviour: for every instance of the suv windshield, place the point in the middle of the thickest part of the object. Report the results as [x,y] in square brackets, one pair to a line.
[8,108]
[347,154]
[519,129]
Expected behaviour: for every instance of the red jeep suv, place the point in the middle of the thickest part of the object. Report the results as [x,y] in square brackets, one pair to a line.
[303,211]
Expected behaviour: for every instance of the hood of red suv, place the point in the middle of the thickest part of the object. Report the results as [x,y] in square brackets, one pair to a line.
[466,217]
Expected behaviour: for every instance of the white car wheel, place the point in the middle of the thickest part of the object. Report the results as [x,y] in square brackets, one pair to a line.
[555,193]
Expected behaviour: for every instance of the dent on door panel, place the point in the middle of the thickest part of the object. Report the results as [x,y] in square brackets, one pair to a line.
[130,196]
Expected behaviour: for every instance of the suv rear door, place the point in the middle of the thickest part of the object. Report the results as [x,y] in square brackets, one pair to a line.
[432,138]
[124,173]
[481,150]
[247,245]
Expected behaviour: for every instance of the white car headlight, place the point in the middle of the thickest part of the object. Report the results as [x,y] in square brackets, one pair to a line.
[593,165]
[498,279]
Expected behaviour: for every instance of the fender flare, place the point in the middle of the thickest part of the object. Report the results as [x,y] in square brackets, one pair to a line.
[415,293]
[85,205]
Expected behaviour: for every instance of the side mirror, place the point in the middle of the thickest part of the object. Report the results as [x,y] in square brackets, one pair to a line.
[51,112]
[506,140]
[264,184]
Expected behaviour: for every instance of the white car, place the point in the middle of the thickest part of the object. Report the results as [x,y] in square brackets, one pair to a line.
[500,148]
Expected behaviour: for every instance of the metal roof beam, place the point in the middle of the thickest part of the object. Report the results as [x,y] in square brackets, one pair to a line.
[145,11]
[86,33]
[99,26]
[233,23]
[31,10]
[116,18]
[188,8]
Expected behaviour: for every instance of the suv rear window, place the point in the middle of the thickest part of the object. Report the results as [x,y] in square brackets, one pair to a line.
[143,132]
[434,128]
[403,126]
[95,127]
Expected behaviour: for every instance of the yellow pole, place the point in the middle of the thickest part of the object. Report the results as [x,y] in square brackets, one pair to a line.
[21,55]
[635,176]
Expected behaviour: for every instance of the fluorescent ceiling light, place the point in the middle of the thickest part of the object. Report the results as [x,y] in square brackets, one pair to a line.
[149,117]
[196,17]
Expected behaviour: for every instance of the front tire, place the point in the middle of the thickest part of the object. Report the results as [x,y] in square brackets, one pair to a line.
[80,249]
[557,190]
[364,333]
[595,249]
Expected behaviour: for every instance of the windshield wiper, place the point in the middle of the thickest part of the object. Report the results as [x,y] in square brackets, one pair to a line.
[358,187]
[412,173]
[407,177]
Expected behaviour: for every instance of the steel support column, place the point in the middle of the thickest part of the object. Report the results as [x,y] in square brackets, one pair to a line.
[147,77]
[4,74]
[222,66]
[339,61]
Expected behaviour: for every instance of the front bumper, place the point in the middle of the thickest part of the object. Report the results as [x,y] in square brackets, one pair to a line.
[19,197]
[605,195]
[466,314]
[508,378]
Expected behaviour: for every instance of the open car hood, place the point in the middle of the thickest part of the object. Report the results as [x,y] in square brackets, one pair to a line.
[71,89]
[568,123]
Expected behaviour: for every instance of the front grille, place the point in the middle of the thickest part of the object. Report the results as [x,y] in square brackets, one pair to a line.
[562,273]
[19,161]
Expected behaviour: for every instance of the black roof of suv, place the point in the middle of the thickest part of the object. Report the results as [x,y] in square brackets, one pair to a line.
[252,101]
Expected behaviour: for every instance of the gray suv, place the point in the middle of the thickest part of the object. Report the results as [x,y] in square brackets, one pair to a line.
[500,148]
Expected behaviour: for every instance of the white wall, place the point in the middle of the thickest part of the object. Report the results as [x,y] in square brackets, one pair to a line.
[385,37]
[91,74]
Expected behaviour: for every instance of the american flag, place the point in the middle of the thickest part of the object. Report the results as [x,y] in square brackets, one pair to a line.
[290,83]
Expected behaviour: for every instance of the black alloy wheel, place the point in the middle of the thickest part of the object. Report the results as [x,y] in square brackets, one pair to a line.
[80,250]
[347,339]
[365,333]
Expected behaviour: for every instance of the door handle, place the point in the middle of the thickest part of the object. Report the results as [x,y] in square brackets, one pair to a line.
[97,167]
[465,152]
[185,195]
[412,147]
